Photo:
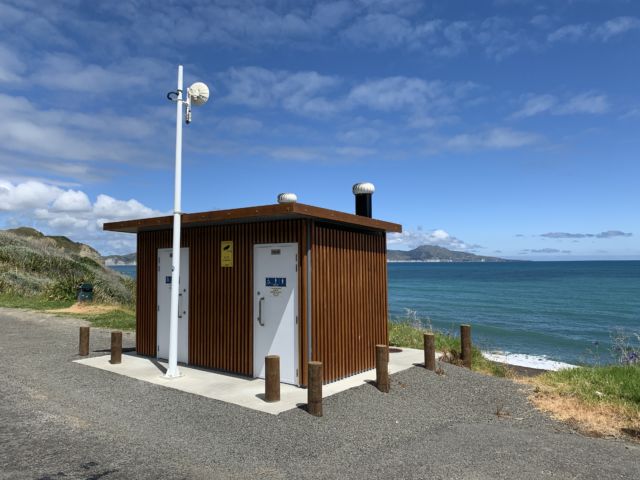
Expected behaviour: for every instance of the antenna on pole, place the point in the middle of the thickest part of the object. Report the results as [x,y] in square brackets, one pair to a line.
[197,94]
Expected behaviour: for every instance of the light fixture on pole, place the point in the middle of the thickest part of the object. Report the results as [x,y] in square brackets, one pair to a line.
[197,94]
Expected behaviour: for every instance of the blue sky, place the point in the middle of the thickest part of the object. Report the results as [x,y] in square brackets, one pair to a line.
[506,127]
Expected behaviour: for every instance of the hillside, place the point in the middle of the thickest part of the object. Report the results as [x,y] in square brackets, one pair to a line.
[431,253]
[35,265]
[128,259]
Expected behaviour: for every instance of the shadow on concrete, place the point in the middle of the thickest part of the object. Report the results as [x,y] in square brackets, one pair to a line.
[158,365]
[108,350]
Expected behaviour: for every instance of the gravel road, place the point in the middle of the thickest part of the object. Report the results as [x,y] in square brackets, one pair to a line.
[59,419]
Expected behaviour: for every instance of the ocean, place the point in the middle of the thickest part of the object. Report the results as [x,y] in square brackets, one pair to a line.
[528,313]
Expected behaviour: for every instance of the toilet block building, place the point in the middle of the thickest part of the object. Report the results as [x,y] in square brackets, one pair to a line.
[302,282]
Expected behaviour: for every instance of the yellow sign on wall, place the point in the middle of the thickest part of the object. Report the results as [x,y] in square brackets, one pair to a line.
[226,253]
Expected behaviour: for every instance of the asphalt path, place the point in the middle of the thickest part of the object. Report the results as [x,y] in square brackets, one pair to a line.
[59,419]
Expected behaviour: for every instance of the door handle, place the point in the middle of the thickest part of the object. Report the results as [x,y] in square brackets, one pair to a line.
[260,311]
[179,305]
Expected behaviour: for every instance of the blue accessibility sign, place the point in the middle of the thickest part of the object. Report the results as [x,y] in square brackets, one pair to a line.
[276,281]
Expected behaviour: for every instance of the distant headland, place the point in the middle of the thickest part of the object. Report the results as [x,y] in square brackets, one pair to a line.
[434,254]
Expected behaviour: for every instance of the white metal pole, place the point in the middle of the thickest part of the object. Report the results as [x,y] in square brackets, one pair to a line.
[172,370]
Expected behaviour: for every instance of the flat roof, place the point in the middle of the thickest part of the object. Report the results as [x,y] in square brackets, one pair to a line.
[264,213]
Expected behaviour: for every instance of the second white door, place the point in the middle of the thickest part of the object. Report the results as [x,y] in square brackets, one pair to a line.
[275,308]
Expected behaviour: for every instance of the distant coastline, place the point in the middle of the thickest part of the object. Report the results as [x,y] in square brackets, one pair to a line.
[120,260]
[116,263]
[434,254]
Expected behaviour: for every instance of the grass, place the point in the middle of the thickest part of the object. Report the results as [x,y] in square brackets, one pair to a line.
[33,303]
[618,384]
[602,400]
[405,334]
[116,317]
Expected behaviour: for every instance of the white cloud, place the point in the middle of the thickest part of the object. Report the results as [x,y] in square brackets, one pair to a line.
[313,94]
[535,105]
[66,72]
[297,92]
[541,21]
[381,30]
[108,209]
[319,153]
[616,26]
[61,140]
[396,93]
[355,151]
[497,37]
[67,212]
[71,201]
[360,135]
[496,138]
[298,154]
[604,31]
[11,66]
[27,195]
[418,237]
[588,102]
[584,103]
[569,33]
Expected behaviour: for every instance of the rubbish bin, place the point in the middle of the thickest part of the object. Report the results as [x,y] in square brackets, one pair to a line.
[85,292]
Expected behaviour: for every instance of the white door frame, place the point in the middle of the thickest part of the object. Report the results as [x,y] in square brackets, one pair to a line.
[289,367]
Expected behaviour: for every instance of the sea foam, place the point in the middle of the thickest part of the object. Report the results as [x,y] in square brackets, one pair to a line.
[525,360]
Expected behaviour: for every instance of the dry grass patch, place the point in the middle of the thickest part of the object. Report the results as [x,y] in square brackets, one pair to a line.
[597,401]
[117,317]
[86,308]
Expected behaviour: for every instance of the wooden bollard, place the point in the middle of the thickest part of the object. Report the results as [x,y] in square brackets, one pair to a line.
[430,351]
[116,347]
[314,390]
[465,345]
[272,378]
[382,368]
[83,347]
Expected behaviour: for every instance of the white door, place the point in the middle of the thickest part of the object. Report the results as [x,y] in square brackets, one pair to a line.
[275,308]
[164,304]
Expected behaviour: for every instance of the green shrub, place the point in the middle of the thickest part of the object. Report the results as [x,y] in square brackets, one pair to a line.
[51,268]
[408,333]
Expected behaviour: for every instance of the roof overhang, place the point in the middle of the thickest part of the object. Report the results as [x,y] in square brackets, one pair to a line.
[265,213]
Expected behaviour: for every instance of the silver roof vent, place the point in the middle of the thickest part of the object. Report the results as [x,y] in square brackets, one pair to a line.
[363,188]
[287,198]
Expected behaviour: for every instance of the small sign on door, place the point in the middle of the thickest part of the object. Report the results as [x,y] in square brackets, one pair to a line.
[276,281]
[226,253]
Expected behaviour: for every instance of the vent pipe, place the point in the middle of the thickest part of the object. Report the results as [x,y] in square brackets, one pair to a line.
[363,193]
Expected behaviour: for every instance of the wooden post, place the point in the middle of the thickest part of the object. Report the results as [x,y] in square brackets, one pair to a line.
[465,345]
[116,347]
[314,390]
[272,378]
[382,368]
[83,348]
[430,352]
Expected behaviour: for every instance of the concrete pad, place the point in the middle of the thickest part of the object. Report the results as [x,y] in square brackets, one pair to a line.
[242,391]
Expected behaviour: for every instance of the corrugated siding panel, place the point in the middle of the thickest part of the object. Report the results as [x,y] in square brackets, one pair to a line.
[220,308]
[349,299]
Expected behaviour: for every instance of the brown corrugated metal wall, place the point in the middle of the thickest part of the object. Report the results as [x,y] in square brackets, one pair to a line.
[349,299]
[349,294]
[220,300]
